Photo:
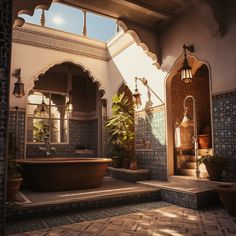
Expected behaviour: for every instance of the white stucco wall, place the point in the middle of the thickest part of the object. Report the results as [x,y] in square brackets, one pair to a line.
[35,60]
[218,53]
[125,61]
[131,63]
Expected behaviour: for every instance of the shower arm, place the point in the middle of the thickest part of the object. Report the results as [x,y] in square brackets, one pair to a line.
[194,131]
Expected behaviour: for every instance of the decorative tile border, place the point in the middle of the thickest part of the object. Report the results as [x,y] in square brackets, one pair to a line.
[193,201]
[49,38]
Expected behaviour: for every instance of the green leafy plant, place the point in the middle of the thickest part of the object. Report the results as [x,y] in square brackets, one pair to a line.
[211,158]
[214,165]
[14,168]
[120,127]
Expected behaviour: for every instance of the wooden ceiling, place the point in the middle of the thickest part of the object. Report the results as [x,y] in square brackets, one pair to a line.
[149,13]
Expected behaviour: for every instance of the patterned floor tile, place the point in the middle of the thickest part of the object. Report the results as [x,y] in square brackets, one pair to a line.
[166,221]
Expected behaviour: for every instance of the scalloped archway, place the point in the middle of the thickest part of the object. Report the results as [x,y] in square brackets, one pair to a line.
[80,65]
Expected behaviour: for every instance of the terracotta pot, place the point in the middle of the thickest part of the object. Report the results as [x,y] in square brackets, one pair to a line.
[204,141]
[133,165]
[13,186]
[214,169]
[227,195]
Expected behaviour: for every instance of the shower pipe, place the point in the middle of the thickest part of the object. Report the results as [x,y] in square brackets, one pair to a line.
[194,131]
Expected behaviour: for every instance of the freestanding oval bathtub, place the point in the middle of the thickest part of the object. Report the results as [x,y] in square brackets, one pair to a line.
[60,174]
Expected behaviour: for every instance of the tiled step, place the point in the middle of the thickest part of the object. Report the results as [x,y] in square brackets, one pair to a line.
[190,196]
[186,172]
[136,194]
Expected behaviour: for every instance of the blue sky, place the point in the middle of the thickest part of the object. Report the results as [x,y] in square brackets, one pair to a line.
[69,19]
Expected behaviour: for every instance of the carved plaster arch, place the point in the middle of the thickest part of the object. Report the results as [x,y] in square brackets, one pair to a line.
[82,66]
[195,63]
[141,44]
[28,7]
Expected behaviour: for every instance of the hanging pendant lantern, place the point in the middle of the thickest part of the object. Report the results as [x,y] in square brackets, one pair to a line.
[18,86]
[186,73]
[69,104]
[136,96]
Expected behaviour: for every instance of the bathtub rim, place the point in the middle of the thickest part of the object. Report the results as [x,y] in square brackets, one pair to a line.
[63,160]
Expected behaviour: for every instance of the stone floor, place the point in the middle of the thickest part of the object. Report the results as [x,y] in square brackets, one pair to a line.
[165,221]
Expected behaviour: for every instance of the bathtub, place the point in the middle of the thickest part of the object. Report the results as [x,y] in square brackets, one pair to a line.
[60,174]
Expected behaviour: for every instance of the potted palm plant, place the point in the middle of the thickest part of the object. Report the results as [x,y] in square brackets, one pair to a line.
[14,178]
[214,165]
[120,127]
[116,154]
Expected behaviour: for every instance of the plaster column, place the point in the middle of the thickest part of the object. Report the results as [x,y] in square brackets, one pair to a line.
[85,22]
[42,19]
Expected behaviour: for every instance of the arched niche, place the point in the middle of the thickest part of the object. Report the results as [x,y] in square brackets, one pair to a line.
[176,91]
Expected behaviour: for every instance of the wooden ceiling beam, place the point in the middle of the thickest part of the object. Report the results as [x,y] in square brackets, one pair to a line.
[146,8]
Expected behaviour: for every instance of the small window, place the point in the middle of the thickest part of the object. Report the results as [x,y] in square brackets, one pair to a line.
[47,117]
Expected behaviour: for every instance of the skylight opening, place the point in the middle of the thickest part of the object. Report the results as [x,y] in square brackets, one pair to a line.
[71,20]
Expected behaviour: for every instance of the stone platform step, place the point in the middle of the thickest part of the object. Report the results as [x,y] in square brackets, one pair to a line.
[196,182]
[188,195]
[129,175]
[116,193]
[186,172]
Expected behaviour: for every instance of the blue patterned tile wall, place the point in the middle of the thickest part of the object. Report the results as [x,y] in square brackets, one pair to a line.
[81,133]
[5,56]
[224,126]
[151,142]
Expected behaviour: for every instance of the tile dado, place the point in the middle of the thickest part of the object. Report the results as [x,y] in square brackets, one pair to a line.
[224,131]
[150,128]
[82,133]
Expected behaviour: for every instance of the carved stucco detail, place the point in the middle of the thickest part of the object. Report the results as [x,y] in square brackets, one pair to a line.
[59,43]
[28,7]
